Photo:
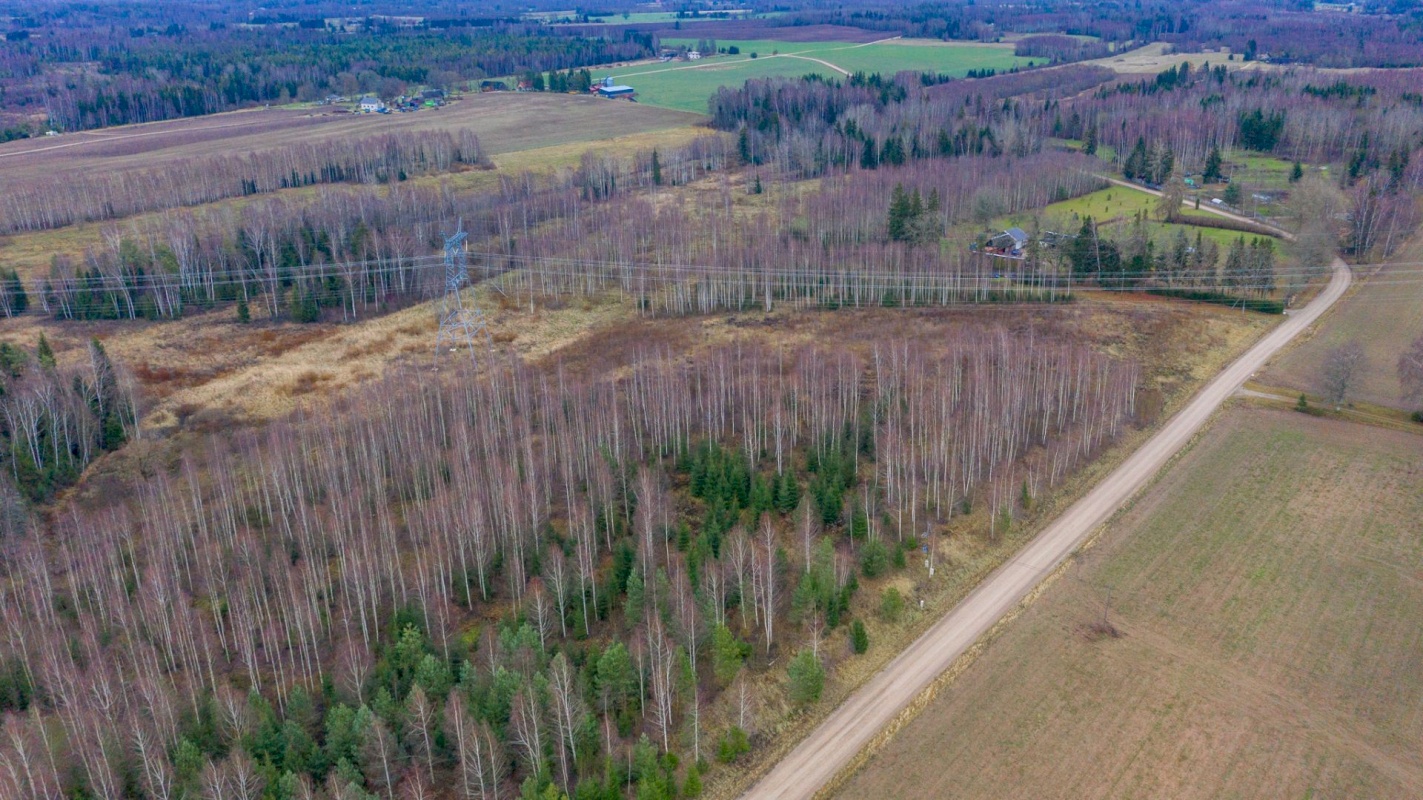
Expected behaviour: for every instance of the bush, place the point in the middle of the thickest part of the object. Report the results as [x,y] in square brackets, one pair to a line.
[874,559]
[859,638]
[891,605]
[807,678]
[1418,416]
[733,743]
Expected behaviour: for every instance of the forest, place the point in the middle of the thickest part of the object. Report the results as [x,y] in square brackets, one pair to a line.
[521,579]
[617,561]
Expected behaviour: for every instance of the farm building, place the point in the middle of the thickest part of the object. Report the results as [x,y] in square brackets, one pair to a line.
[371,104]
[612,90]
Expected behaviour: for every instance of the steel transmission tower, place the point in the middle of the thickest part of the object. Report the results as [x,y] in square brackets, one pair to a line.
[458,324]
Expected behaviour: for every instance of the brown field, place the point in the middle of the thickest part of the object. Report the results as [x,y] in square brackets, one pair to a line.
[1262,639]
[504,121]
[1382,314]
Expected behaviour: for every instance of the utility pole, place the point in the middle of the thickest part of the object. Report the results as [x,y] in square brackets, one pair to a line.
[458,323]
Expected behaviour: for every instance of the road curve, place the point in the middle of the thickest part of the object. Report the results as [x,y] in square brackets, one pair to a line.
[817,759]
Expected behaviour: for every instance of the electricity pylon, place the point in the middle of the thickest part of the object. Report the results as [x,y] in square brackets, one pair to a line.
[458,323]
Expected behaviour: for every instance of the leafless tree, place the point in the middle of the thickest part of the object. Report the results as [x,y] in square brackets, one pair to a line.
[1340,373]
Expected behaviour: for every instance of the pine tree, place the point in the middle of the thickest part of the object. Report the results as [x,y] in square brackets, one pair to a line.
[656,169]
[1089,143]
[807,678]
[1296,172]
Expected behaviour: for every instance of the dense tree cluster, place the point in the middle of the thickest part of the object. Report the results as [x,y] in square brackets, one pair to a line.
[522,579]
[64,199]
[54,420]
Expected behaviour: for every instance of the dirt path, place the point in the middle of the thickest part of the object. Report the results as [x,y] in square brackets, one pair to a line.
[832,746]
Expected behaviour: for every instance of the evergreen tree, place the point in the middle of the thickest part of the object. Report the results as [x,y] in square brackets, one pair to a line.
[807,678]
[1296,172]
[1089,142]
[1211,173]
[869,157]
[12,290]
[656,169]
[728,653]
[1138,164]
[901,214]
[1237,270]
[44,354]
[632,606]
[859,638]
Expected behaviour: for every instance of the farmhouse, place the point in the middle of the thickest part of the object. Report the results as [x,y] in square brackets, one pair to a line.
[1009,243]
[370,104]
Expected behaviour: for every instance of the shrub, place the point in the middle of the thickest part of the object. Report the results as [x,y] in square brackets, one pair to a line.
[733,743]
[891,605]
[859,638]
[874,559]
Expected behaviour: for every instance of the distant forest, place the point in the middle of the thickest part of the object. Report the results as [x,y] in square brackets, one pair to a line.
[76,67]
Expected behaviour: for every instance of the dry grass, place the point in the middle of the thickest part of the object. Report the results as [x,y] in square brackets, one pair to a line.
[1266,592]
[1382,314]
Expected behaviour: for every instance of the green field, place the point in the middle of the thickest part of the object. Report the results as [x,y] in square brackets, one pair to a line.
[687,85]
[1264,595]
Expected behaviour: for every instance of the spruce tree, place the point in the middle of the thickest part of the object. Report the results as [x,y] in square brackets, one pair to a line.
[44,354]
[1211,173]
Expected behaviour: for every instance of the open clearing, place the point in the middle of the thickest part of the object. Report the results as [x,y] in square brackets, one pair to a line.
[687,85]
[504,122]
[1267,591]
[1382,315]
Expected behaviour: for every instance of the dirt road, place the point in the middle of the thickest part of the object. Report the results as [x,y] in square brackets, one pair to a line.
[851,727]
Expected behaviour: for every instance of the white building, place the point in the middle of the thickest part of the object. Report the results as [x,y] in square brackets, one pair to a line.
[371,105]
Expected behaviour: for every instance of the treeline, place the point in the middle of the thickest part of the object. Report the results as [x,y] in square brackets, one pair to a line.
[1058,48]
[1387,35]
[812,124]
[57,201]
[351,252]
[1285,113]
[206,70]
[347,251]
[520,584]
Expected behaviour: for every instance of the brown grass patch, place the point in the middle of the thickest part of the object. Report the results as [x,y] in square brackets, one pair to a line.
[308,382]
